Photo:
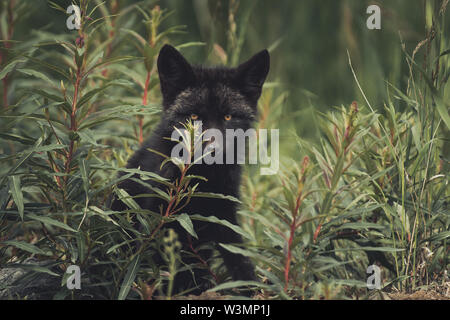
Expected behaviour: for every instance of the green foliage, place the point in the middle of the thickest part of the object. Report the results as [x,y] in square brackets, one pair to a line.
[372,187]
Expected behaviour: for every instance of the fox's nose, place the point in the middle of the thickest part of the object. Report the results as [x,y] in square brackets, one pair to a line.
[211,142]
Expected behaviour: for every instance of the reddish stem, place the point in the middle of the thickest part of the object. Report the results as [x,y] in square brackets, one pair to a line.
[316,233]
[111,35]
[173,199]
[147,81]
[9,34]
[291,239]
[5,91]
[202,261]
[73,123]
[289,255]
[168,212]
[144,102]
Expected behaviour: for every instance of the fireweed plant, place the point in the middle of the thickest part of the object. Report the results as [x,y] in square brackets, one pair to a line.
[372,189]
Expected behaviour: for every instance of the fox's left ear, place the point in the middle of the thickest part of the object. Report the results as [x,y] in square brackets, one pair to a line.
[175,73]
[252,74]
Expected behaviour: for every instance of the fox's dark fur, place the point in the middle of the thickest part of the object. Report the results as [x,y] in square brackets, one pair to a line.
[211,93]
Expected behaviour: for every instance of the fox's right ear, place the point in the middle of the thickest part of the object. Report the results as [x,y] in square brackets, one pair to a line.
[175,73]
[252,74]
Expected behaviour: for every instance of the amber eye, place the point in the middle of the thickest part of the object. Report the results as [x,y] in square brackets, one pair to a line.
[194,116]
[228,117]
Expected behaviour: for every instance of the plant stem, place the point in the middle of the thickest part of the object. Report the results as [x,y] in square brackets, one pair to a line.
[144,102]
[9,33]
[73,124]
[5,91]
[291,239]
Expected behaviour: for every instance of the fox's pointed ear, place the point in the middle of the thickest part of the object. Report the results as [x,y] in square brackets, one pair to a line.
[175,73]
[252,74]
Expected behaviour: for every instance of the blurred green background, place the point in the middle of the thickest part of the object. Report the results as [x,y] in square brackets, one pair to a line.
[308,41]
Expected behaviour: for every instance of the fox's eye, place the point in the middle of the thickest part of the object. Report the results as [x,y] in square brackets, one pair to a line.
[194,116]
[228,117]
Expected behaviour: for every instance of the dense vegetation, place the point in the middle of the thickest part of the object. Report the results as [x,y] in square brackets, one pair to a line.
[362,183]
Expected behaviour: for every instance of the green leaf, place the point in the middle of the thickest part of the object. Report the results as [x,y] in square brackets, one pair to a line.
[33,267]
[438,237]
[86,97]
[129,278]
[442,109]
[190,44]
[26,247]
[135,34]
[351,283]
[46,148]
[444,53]
[103,214]
[50,221]
[118,113]
[127,199]
[50,66]
[84,168]
[109,61]
[17,194]
[149,56]
[88,136]
[240,283]
[81,246]
[145,174]
[56,6]
[381,249]
[98,56]
[186,223]
[8,68]
[214,196]
[79,57]
[360,226]
[251,254]
[15,137]
[116,246]
[225,223]
[36,74]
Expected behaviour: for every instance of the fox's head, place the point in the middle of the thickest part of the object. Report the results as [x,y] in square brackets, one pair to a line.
[219,97]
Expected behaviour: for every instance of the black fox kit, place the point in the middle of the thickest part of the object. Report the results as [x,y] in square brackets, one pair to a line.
[221,98]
